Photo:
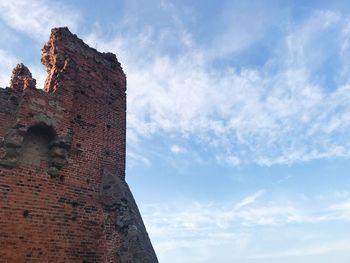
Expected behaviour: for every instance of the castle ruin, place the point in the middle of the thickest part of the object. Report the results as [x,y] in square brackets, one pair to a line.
[63,195]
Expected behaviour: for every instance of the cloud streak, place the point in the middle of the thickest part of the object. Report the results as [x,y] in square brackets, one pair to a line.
[244,228]
[250,199]
[8,62]
[279,114]
[36,18]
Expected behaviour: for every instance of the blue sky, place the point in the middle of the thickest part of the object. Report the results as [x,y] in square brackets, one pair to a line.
[238,118]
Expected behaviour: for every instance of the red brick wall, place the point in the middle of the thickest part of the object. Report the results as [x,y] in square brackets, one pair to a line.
[73,205]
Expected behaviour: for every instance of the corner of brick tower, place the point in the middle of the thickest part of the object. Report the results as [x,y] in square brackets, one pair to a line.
[63,195]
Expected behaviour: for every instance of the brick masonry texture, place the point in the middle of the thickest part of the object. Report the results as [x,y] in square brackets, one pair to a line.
[63,195]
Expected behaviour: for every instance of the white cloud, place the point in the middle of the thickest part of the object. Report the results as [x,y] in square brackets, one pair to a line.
[176,149]
[228,158]
[37,17]
[250,199]
[39,73]
[342,194]
[237,230]
[341,209]
[267,118]
[8,62]
[136,159]
[320,249]
[240,27]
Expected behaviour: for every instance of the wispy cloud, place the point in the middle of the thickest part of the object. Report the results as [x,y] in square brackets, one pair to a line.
[281,113]
[36,18]
[320,249]
[250,199]
[136,159]
[176,149]
[342,210]
[8,62]
[239,225]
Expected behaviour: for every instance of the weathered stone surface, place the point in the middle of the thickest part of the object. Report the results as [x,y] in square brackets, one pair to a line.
[59,152]
[13,139]
[8,162]
[22,78]
[63,142]
[118,200]
[53,171]
[62,162]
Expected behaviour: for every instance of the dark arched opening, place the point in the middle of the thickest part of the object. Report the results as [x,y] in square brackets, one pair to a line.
[35,146]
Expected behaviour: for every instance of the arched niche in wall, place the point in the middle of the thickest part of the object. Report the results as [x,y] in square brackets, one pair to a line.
[35,146]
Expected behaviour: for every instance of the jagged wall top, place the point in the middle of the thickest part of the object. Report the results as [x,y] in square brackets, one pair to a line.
[64,47]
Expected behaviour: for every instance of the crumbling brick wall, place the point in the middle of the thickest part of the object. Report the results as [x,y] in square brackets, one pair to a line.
[63,195]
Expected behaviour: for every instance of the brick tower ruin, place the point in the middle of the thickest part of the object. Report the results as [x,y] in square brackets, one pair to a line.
[63,195]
